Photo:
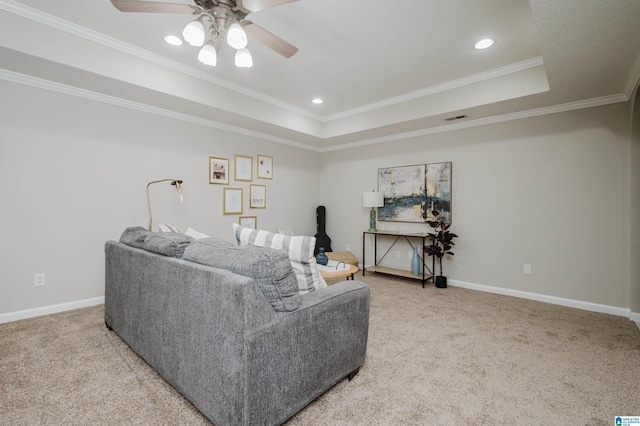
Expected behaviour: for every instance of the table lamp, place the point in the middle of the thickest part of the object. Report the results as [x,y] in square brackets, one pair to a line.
[372,199]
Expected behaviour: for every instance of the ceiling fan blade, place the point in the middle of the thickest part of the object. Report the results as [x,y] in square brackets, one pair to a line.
[155,6]
[257,5]
[272,41]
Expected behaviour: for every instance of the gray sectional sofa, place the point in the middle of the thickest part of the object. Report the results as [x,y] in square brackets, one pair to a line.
[224,329]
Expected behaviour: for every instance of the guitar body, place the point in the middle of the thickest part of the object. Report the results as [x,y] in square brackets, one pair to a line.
[322,239]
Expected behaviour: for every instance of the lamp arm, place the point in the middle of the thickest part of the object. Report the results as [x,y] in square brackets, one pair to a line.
[176,182]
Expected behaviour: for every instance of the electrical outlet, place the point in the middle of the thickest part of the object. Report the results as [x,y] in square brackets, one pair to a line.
[348,247]
[409,255]
[398,253]
[527,269]
[38,279]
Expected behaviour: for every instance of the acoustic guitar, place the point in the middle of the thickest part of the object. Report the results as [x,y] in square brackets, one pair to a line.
[322,239]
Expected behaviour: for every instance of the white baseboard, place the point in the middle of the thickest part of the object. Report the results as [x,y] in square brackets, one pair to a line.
[635,317]
[46,310]
[613,310]
[587,306]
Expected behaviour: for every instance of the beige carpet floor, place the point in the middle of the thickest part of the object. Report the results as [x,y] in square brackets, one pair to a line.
[435,357]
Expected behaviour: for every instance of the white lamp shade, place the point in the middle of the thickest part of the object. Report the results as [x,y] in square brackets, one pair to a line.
[372,199]
[236,37]
[208,55]
[194,33]
[243,58]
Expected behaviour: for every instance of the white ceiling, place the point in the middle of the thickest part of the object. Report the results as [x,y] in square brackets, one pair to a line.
[386,69]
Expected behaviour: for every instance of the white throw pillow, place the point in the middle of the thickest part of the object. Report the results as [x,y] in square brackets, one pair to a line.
[165,227]
[299,248]
[195,234]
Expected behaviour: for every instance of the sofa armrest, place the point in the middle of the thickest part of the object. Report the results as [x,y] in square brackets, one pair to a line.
[301,354]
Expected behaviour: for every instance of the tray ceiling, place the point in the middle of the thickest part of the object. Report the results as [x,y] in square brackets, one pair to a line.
[384,73]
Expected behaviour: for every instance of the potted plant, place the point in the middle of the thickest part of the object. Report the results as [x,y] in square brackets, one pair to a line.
[441,244]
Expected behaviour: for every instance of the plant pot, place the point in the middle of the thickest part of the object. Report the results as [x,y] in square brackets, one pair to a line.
[441,281]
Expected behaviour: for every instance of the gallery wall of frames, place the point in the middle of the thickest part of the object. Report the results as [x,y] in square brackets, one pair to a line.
[238,173]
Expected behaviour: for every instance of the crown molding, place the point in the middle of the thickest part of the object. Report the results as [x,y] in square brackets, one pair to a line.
[110,42]
[112,100]
[77,30]
[554,109]
[454,84]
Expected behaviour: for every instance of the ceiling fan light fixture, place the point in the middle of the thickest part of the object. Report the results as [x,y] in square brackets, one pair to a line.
[243,58]
[214,22]
[208,54]
[194,32]
[236,36]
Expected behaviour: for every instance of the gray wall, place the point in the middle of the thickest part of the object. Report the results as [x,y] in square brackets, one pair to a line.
[74,173]
[556,191]
[548,191]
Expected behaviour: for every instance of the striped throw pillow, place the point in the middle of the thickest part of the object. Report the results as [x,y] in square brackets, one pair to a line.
[299,248]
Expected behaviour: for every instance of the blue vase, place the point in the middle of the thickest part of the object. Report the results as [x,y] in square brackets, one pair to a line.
[415,262]
[322,258]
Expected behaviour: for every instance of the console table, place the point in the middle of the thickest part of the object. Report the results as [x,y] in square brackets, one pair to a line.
[427,273]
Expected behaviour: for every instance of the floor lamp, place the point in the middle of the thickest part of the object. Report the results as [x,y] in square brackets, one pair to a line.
[180,196]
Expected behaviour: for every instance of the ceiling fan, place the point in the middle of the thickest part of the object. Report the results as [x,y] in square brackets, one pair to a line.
[217,20]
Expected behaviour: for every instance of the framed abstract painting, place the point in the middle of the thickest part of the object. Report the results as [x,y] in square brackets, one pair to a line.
[438,181]
[411,193]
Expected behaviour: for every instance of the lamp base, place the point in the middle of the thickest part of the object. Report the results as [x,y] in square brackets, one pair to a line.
[372,220]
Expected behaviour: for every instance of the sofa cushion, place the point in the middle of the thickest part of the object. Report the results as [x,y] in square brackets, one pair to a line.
[134,236]
[167,243]
[269,268]
[299,248]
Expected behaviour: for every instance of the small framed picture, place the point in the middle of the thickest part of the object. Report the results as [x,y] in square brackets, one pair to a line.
[248,221]
[257,196]
[219,170]
[243,168]
[265,167]
[232,201]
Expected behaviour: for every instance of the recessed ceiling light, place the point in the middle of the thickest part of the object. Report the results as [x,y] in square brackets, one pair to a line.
[483,44]
[317,101]
[173,40]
